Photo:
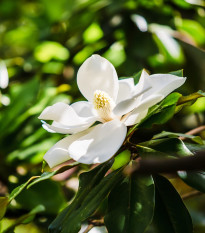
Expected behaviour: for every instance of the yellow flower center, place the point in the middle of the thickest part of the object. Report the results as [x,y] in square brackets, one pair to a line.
[104,105]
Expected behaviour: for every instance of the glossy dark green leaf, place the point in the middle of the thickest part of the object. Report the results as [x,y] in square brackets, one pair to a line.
[130,205]
[3,206]
[194,179]
[194,138]
[163,147]
[159,118]
[194,148]
[171,215]
[93,188]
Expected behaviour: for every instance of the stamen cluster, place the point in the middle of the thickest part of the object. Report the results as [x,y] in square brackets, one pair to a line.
[103,103]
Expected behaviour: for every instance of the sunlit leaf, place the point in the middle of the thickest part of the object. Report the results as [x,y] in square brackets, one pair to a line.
[49,50]
[121,159]
[192,29]
[92,33]
[3,206]
[25,219]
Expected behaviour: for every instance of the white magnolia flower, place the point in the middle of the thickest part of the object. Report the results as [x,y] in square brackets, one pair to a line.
[114,103]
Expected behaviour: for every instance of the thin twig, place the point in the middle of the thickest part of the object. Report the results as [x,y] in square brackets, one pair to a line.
[194,131]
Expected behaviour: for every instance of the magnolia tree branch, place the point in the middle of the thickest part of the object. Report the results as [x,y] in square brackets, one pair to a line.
[194,131]
[154,166]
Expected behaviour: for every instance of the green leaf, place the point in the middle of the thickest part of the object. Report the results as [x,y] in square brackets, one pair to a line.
[48,175]
[163,147]
[177,73]
[162,113]
[159,114]
[20,188]
[194,179]
[171,215]
[137,76]
[163,134]
[49,50]
[25,219]
[193,29]
[93,33]
[159,118]
[170,100]
[121,159]
[48,193]
[131,205]
[37,179]
[22,96]
[195,148]
[189,99]
[93,188]
[3,206]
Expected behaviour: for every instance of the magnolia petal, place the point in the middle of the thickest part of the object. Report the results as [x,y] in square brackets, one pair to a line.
[56,127]
[59,152]
[136,102]
[126,87]
[65,119]
[143,83]
[135,117]
[97,73]
[83,108]
[100,144]
[163,84]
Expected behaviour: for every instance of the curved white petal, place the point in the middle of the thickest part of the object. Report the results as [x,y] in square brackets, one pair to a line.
[126,88]
[135,117]
[83,108]
[97,73]
[163,84]
[100,144]
[65,119]
[136,102]
[56,127]
[143,83]
[59,152]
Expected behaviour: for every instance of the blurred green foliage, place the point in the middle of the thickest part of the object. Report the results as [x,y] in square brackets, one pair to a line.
[43,43]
